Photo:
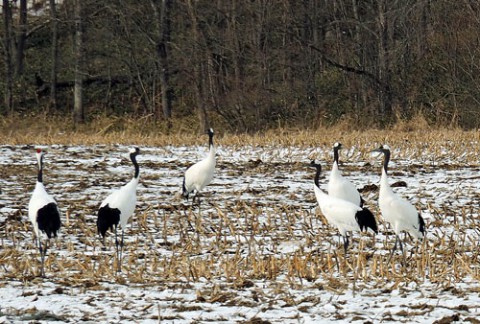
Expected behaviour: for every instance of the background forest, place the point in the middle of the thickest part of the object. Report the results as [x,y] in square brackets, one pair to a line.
[247,65]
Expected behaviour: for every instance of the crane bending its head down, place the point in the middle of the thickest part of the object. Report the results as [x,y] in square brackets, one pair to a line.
[342,214]
[199,175]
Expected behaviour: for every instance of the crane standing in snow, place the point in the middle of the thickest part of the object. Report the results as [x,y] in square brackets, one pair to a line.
[199,175]
[43,212]
[118,207]
[400,213]
[342,214]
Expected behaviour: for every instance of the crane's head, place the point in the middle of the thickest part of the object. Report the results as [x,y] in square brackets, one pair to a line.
[337,145]
[134,150]
[382,149]
[315,164]
[210,132]
[39,152]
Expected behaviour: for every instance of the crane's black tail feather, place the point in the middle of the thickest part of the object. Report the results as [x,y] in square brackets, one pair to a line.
[107,218]
[185,193]
[48,219]
[421,224]
[365,219]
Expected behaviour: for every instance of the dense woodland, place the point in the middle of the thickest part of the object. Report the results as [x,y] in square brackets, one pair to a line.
[249,65]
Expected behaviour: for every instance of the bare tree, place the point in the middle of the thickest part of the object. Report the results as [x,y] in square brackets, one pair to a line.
[198,67]
[249,64]
[7,55]
[162,11]
[78,109]
[21,38]
[383,72]
[54,57]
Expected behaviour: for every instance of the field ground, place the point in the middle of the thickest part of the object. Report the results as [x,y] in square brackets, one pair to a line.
[257,250]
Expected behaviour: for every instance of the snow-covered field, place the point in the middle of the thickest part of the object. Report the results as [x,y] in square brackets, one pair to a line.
[257,251]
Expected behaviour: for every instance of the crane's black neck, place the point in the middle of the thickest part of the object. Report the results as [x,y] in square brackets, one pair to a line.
[317,174]
[133,157]
[335,154]
[386,159]
[40,169]
[210,139]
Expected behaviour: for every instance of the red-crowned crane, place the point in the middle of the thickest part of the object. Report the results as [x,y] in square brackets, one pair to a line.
[43,212]
[342,214]
[118,207]
[400,213]
[199,175]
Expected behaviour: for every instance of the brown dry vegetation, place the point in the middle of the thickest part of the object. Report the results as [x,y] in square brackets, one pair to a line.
[40,129]
[253,67]
[222,241]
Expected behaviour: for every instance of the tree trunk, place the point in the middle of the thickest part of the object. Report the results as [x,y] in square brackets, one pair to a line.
[198,70]
[78,110]
[235,46]
[385,91]
[163,38]
[7,55]
[361,98]
[21,38]
[53,71]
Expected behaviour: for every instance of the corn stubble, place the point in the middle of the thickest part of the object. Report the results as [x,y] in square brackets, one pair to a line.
[240,250]
[176,244]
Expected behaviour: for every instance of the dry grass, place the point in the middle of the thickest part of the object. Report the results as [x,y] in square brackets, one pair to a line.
[145,131]
[172,244]
[211,250]
[227,241]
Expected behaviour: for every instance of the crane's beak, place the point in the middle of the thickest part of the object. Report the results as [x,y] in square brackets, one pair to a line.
[313,164]
[376,153]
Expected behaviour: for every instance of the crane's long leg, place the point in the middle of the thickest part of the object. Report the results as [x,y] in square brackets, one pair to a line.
[336,259]
[42,257]
[346,242]
[198,223]
[116,246]
[403,253]
[196,198]
[121,254]
[397,240]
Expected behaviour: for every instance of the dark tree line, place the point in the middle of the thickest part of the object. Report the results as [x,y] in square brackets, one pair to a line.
[246,64]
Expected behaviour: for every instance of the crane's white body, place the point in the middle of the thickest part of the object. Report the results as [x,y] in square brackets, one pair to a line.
[338,212]
[340,187]
[124,199]
[39,199]
[400,213]
[199,175]
[342,214]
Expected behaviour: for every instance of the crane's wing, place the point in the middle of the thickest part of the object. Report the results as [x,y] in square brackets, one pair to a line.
[405,208]
[339,212]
